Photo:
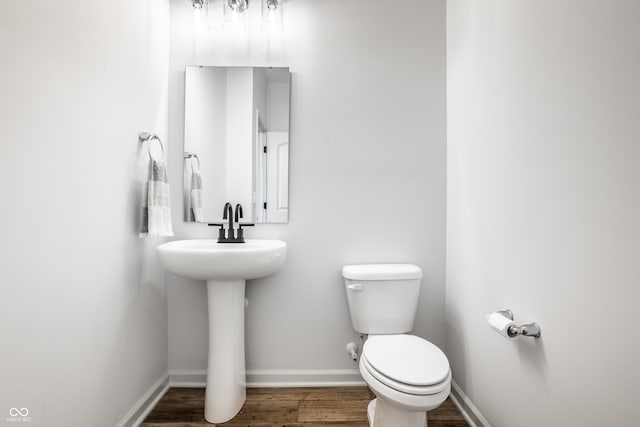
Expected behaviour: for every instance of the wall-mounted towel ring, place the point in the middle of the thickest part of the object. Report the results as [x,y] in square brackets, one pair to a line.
[146,136]
[192,157]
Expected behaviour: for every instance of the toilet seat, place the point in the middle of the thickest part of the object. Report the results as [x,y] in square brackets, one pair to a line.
[406,388]
[407,364]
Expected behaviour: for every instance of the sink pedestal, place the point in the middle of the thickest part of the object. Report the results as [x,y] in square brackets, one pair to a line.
[226,379]
[225,267]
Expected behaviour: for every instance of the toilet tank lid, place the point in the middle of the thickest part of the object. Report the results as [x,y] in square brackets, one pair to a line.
[381,272]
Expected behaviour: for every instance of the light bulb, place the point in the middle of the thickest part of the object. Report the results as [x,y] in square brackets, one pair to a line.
[272,15]
[235,15]
[197,15]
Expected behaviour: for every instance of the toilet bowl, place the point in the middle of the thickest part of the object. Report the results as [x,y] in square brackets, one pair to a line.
[408,374]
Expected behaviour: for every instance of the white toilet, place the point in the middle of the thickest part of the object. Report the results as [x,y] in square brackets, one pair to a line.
[408,374]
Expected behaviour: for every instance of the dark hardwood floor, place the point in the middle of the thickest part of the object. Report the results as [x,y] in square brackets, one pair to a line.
[286,407]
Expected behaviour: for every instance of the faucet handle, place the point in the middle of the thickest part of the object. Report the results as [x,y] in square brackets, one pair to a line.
[221,235]
[240,235]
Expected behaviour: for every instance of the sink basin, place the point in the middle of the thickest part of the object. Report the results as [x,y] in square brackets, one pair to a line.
[225,267]
[206,259]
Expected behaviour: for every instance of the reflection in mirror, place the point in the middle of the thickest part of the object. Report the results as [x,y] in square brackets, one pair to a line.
[236,143]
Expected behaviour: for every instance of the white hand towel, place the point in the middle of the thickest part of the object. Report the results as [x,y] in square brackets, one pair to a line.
[156,209]
[195,211]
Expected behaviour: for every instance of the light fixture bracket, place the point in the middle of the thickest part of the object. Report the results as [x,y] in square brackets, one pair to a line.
[238,6]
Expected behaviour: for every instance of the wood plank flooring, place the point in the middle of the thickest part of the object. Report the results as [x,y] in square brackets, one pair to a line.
[286,407]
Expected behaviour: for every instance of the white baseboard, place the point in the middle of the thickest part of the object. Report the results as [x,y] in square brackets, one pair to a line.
[260,378]
[473,416]
[304,378]
[183,378]
[136,415]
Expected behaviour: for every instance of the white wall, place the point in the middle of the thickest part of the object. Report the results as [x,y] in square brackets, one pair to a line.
[260,94]
[260,101]
[240,113]
[543,207]
[367,177]
[83,330]
[278,96]
[206,135]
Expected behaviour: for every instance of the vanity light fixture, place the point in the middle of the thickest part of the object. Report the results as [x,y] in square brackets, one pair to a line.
[272,15]
[234,14]
[197,14]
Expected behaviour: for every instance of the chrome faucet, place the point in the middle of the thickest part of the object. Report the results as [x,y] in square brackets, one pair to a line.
[229,214]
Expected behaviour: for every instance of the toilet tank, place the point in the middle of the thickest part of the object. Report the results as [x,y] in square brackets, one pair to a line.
[383,298]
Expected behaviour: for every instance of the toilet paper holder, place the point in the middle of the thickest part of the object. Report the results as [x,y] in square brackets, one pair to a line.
[528,330]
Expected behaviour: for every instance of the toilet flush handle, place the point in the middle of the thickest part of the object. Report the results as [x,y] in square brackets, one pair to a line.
[355,287]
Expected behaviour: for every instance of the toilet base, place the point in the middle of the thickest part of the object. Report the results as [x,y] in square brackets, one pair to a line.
[381,413]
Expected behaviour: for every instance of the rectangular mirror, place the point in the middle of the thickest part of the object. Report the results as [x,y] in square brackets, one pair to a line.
[236,143]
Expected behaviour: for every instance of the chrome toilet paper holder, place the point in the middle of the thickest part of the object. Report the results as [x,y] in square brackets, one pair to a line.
[528,330]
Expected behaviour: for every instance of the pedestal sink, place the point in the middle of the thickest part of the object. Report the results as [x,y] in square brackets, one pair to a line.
[225,267]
